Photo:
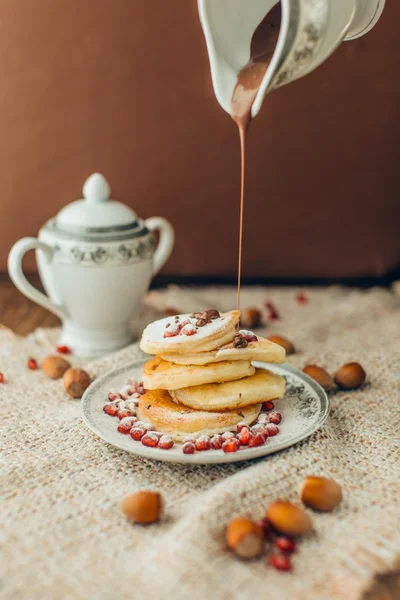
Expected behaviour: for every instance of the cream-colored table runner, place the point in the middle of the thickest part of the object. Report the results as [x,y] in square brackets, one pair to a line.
[62,535]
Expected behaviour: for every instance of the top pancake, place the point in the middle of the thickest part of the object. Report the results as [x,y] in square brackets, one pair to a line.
[263,350]
[213,334]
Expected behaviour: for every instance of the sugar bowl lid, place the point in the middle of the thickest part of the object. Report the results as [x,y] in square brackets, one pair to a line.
[96,215]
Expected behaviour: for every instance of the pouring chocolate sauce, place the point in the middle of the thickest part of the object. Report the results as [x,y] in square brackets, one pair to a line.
[249,79]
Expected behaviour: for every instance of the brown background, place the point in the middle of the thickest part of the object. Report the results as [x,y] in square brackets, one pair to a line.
[123,87]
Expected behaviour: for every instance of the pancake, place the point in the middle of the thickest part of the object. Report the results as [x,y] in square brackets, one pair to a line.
[260,387]
[158,408]
[167,335]
[163,375]
[263,350]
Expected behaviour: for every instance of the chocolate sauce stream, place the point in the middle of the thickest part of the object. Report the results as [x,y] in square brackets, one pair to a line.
[249,79]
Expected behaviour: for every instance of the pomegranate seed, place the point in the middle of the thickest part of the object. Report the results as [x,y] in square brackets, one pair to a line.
[165,442]
[266,526]
[137,433]
[126,425]
[1,378]
[122,414]
[32,364]
[217,441]
[230,445]
[244,436]
[172,330]
[256,440]
[249,336]
[150,439]
[203,443]
[302,298]
[64,350]
[188,448]
[111,409]
[275,418]
[240,426]
[273,314]
[227,435]
[267,406]
[285,544]
[189,329]
[112,396]
[272,429]
[281,562]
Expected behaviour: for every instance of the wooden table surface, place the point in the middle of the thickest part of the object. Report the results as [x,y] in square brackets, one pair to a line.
[23,316]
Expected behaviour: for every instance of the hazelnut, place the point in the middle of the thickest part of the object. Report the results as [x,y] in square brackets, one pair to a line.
[245,538]
[288,519]
[284,342]
[350,376]
[75,382]
[250,318]
[55,366]
[321,376]
[143,507]
[320,493]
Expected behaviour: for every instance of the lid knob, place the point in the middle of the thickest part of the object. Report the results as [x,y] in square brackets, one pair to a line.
[96,189]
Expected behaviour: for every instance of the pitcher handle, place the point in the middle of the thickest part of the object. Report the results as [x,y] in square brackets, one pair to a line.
[17,275]
[166,243]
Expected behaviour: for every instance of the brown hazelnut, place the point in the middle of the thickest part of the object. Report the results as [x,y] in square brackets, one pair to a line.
[245,538]
[250,318]
[143,507]
[320,493]
[350,377]
[75,382]
[321,376]
[284,342]
[288,518]
[55,366]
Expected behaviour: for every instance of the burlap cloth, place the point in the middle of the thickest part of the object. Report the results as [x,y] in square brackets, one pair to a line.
[63,536]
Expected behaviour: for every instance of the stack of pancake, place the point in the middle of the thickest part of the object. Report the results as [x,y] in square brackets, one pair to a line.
[201,380]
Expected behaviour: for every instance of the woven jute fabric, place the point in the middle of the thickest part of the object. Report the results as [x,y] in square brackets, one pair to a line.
[62,535]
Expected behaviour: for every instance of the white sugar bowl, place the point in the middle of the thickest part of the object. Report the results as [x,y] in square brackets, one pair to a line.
[96,259]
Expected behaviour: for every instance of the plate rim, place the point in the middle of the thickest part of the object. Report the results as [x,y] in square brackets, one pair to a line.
[203,458]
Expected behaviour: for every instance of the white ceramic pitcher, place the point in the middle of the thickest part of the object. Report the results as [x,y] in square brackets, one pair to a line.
[96,259]
[310,31]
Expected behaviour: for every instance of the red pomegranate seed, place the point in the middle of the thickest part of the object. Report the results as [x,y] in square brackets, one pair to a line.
[137,433]
[122,414]
[203,443]
[302,298]
[64,350]
[126,425]
[112,396]
[230,445]
[165,442]
[273,314]
[188,448]
[249,336]
[275,418]
[285,544]
[244,436]
[217,441]
[240,426]
[32,364]
[1,378]
[111,409]
[266,526]
[150,440]
[256,440]
[281,562]
[267,406]
[172,330]
[188,329]
[272,429]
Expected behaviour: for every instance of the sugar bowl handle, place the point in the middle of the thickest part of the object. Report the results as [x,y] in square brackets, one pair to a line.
[166,243]
[17,275]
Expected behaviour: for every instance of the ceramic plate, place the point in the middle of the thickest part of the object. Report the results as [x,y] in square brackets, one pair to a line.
[304,408]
